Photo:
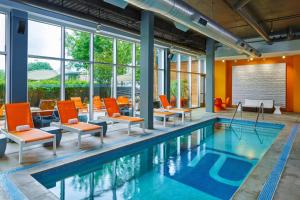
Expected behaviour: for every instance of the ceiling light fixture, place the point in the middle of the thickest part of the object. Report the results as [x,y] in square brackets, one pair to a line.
[98,28]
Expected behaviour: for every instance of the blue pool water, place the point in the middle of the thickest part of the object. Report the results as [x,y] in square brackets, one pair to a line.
[206,163]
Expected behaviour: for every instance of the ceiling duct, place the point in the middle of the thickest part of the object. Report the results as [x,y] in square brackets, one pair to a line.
[184,14]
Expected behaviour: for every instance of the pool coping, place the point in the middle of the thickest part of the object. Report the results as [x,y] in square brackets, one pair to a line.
[18,182]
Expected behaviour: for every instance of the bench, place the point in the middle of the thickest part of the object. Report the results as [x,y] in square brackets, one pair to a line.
[252,105]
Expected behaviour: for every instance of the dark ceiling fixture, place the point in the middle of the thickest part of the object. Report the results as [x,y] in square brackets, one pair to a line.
[241,9]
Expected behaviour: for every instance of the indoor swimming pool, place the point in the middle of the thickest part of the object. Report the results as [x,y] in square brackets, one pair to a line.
[210,162]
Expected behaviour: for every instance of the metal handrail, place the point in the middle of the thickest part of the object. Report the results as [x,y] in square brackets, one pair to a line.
[260,109]
[239,104]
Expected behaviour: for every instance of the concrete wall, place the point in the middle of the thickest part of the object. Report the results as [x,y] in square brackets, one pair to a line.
[223,78]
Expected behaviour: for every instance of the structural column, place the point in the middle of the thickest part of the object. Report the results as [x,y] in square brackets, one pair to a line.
[167,79]
[210,73]
[147,61]
[18,56]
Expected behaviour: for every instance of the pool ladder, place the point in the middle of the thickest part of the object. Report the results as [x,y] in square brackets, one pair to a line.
[239,104]
[260,110]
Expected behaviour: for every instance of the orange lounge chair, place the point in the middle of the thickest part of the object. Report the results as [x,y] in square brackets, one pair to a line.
[18,115]
[82,108]
[67,111]
[123,101]
[98,104]
[114,115]
[167,107]
[164,115]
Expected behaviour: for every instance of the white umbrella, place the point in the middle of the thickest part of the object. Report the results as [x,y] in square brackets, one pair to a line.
[37,75]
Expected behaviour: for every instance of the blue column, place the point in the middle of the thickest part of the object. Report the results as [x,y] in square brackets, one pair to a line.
[210,73]
[18,56]
[167,74]
[147,61]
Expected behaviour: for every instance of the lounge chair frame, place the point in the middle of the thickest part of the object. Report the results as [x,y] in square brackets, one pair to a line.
[125,122]
[78,131]
[23,144]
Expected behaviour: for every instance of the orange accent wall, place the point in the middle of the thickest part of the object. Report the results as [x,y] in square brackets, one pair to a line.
[296,83]
[223,78]
[220,79]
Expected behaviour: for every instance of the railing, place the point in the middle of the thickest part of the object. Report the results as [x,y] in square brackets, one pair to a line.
[239,104]
[260,110]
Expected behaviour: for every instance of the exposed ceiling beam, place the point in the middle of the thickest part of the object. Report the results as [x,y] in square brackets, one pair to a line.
[250,19]
[241,4]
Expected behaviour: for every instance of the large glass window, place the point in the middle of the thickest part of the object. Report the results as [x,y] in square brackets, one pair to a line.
[103,53]
[158,73]
[44,40]
[137,76]
[2,32]
[43,80]
[195,83]
[174,82]
[184,81]
[2,67]
[124,73]
[77,51]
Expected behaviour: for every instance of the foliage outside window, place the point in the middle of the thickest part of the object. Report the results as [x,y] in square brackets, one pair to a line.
[43,74]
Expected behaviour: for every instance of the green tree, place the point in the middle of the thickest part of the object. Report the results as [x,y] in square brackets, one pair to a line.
[77,44]
[39,66]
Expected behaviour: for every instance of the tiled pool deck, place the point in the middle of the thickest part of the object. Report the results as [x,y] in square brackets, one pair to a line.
[40,158]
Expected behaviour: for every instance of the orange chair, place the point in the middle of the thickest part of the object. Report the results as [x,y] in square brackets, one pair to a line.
[226,103]
[218,104]
[21,130]
[98,104]
[48,106]
[114,115]
[123,101]
[68,112]
[167,106]
[82,108]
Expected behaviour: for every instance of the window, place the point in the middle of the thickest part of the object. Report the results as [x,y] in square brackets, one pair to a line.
[184,81]
[174,85]
[187,87]
[124,72]
[137,76]
[77,53]
[2,32]
[2,67]
[43,80]
[103,53]
[195,83]
[158,73]
[44,40]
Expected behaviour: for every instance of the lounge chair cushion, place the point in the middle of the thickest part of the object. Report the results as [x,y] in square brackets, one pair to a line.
[181,109]
[129,119]
[161,113]
[81,126]
[32,135]
[22,128]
